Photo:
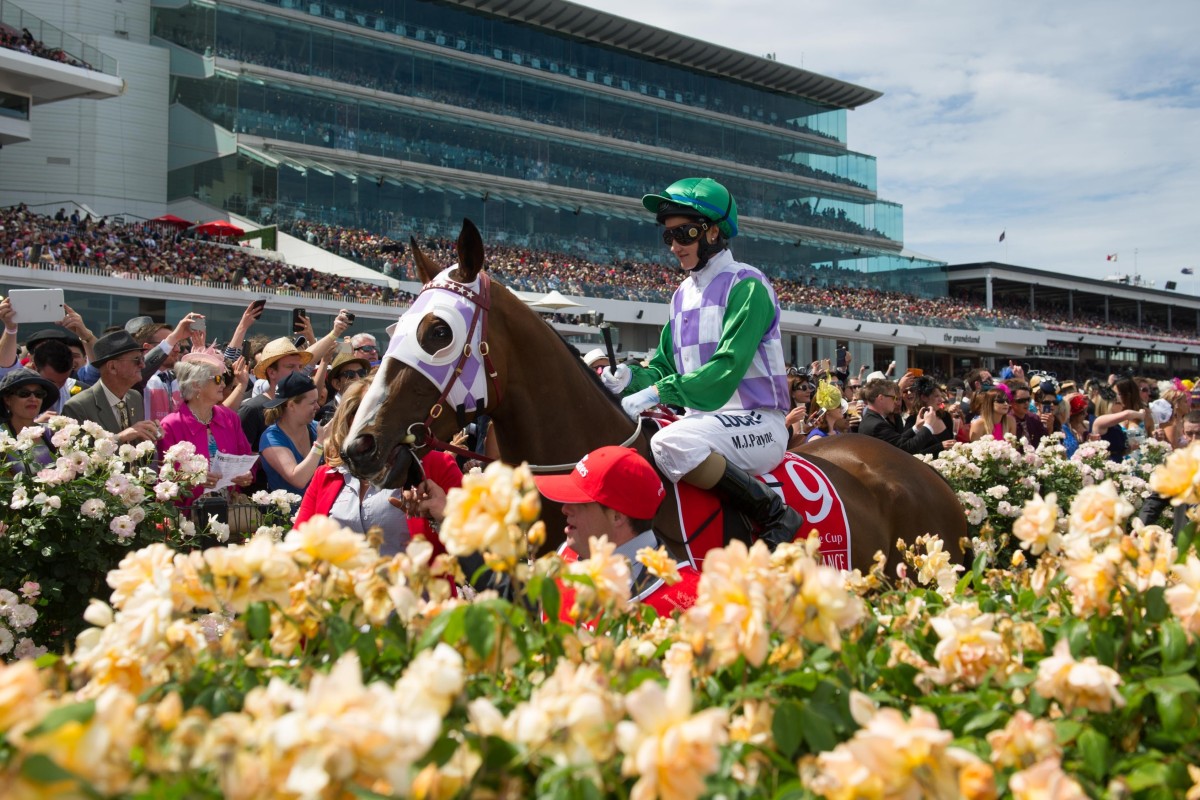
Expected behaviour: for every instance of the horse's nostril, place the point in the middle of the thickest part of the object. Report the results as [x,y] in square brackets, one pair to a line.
[360,445]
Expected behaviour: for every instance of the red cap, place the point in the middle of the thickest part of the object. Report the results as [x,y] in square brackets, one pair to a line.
[616,477]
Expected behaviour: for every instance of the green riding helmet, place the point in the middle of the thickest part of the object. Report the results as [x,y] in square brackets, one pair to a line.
[705,196]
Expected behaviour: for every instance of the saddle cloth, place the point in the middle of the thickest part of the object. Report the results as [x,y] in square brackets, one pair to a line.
[802,486]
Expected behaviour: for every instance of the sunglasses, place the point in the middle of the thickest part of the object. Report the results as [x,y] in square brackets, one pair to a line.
[368,348]
[687,233]
[40,394]
[219,380]
[352,373]
[1000,402]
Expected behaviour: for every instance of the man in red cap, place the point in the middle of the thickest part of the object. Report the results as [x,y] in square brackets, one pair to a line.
[614,492]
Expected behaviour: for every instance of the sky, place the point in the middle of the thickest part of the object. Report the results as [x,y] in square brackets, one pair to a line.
[1072,127]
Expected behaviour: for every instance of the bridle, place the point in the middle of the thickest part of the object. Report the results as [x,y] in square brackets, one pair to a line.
[482,301]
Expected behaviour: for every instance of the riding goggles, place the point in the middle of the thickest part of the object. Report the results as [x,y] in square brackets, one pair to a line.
[685,234]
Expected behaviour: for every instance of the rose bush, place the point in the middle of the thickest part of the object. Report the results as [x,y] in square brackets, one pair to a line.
[310,667]
[64,525]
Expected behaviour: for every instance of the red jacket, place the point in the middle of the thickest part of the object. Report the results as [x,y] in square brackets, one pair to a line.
[327,484]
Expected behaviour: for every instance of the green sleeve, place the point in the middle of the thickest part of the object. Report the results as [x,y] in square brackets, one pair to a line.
[661,365]
[748,316]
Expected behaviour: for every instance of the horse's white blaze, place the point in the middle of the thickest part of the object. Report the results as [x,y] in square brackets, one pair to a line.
[372,401]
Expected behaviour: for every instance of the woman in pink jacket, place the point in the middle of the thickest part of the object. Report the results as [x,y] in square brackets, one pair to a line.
[202,419]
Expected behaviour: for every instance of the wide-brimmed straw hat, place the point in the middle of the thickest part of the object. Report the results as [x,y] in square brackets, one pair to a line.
[275,350]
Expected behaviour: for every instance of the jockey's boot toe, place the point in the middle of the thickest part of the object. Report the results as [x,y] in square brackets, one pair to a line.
[777,521]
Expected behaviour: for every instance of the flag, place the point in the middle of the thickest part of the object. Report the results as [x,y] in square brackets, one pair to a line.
[1002,235]
[1187,271]
[1111,257]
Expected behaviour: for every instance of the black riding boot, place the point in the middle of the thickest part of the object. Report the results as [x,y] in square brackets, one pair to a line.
[777,521]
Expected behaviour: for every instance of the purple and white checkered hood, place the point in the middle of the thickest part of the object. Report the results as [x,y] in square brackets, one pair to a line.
[455,310]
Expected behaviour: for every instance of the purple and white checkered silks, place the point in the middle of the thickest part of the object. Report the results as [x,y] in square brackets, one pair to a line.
[456,311]
[697,317]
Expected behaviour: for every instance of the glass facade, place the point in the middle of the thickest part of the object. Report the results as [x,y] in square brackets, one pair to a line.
[407,111]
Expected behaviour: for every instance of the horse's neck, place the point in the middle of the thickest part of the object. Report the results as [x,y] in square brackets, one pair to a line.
[553,412]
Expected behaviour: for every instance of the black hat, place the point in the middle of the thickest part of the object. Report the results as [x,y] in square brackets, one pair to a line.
[111,345]
[57,332]
[24,377]
[291,386]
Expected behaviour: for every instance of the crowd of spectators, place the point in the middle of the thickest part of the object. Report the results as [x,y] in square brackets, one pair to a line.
[150,251]
[23,42]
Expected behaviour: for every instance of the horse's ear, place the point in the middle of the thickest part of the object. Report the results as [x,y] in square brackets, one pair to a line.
[426,269]
[470,252]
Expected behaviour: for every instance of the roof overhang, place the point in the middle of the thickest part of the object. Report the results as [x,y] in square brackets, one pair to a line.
[599,27]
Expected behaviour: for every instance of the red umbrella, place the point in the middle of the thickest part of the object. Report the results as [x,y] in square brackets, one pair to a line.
[220,228]
[171,219]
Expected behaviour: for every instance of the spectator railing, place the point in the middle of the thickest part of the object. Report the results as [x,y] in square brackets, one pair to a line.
[53,39]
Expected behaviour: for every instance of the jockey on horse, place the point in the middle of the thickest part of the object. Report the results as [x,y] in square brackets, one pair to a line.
[721,358]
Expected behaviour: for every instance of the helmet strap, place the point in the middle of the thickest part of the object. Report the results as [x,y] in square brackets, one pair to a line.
[707,250]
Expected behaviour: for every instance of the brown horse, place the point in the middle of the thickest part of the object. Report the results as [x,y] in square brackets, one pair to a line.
[549,408]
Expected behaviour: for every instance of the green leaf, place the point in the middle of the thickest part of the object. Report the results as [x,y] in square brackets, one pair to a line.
[455,626]
[1183,684]
[1173,641]
[1093,749]
[1170,710]
[786,727]
[1148,776]
[1156,604]
[339,634]
[802,679]
[551,601]
[258,621]
[481,630]
[984,721]
[76,712]
[817,730]
[42,769]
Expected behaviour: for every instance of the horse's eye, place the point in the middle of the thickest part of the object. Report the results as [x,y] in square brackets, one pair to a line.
[436,337]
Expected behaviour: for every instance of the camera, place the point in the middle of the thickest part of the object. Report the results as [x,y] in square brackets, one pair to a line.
[349,317]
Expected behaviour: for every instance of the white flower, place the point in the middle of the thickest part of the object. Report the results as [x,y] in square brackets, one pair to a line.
[122,526]
[166,490]
[117,485]
[220,529]
[137,514]
[20,498]
[6,640]
[22,617]
[93,508]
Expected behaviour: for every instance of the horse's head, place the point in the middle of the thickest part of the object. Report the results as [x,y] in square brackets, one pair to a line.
[433,365]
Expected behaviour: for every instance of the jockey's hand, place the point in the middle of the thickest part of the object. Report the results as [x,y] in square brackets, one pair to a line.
[616,380]
[638,402]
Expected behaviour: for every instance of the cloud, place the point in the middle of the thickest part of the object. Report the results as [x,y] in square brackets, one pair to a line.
[1071,125]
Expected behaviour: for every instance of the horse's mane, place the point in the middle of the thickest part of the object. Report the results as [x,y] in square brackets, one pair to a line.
[576,357]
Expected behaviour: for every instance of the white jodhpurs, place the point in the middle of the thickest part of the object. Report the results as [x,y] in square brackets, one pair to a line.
[754,441]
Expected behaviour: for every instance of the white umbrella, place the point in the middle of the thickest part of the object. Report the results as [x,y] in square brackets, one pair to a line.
[556,300]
